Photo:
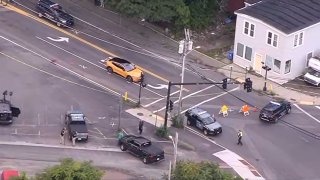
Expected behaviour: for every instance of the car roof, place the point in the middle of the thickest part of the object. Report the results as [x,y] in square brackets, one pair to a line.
[5,107]
[198,111]
[272,105]
[119,60]
[50,3]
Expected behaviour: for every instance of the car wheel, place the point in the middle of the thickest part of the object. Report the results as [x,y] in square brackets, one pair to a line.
[145,160]
[205,132]
[40,15]
[123,148]
[129,79]
[188,122]
[109,69]
[288,110]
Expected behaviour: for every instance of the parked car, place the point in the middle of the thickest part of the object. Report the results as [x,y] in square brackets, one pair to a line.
[142,148]
[76,124]
[204,121]
[124,68]
[274,111]
[54,12]
[7,111]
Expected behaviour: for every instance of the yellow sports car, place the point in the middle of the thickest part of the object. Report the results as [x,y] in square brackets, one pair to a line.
[124,68]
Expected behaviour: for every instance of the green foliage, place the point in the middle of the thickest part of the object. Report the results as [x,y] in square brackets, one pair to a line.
[162,132]
[23,176]
[187,170]
[69,169]
[177,121]
[180,13]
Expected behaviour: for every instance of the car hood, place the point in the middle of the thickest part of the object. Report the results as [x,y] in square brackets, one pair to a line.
[65,16]
[213,126]
[153,150]
[265,112]
[136,72]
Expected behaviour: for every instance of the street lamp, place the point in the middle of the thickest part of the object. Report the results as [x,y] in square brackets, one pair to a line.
[175,149]
[187,48]
[266,68]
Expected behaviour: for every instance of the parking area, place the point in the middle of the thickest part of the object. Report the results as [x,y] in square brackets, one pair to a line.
[298,84]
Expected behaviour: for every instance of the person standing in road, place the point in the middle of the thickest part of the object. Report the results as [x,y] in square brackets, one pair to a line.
[141,126]
[239,137]
[74,137]
[62,136]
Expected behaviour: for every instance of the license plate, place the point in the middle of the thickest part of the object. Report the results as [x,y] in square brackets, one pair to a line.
[79,139]
[218,132]
[158,159]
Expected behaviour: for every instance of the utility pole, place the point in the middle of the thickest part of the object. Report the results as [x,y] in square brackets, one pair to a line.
[120,109]
[185,46]
[267,68]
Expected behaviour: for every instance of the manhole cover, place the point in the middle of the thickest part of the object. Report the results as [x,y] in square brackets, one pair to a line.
[140,114]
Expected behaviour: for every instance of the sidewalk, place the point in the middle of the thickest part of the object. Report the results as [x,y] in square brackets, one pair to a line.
[273,88]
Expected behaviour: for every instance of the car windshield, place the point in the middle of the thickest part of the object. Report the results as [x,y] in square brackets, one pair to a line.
[207,118]
[128,66]
[272,106]
[313,72]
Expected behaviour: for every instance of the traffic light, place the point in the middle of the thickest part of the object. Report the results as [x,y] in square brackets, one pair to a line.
[248,84]
[170,105]
[224,83]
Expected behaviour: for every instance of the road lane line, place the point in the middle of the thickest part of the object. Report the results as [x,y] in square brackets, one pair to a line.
[186,97]
[78,38]
[160,99]
[210,99]
[318,107]
[312,117]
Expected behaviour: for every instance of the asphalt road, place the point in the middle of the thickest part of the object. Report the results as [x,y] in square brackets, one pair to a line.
[278,151]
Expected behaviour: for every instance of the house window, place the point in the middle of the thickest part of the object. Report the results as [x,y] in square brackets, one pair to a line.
[240,48]
[298,39]
[272,39]
[248,53]
[269,62]
[276,65]
[287,67]
[249,29]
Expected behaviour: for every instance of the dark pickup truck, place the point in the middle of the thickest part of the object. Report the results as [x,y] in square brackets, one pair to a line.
[142,148]
[76,124]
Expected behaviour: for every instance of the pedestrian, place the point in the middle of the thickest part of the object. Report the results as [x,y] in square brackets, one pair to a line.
[141,126]
[239,137]
[62,136]
[74,137]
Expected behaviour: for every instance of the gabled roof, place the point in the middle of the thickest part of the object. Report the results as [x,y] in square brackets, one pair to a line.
[286,15]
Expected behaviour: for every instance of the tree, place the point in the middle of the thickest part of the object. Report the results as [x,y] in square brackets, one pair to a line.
[69,169]
[186,170]
[22,176]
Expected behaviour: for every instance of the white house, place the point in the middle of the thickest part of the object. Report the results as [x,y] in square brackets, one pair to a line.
[282,34]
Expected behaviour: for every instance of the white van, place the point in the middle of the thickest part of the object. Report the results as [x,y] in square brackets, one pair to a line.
[313,74]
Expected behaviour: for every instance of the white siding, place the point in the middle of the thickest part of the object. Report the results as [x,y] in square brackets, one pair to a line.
[284,52]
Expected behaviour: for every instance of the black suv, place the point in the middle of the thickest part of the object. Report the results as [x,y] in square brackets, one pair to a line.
[273,111]
[54,12]
[203,121]
[142,148]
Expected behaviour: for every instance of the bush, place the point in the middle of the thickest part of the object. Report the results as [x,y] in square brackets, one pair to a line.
[177,121]
[162,132]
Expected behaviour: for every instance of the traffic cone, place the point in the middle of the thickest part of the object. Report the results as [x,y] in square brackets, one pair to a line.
[254,109]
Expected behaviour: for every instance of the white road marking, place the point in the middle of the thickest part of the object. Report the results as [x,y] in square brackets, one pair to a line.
[318,107]
[83,66]
[100,132]
[210,99]
[160,86]
[312,117]
[76,74]
[160,99]
[60,39]
[186,97]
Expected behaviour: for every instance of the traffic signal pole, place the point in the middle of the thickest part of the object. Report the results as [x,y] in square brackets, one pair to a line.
[167,105]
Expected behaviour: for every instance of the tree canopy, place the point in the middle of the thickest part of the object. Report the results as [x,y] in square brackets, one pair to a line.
[194,14]
[187,170]
[69,169]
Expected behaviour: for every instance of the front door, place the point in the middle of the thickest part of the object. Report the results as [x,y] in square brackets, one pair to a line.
[258,63]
